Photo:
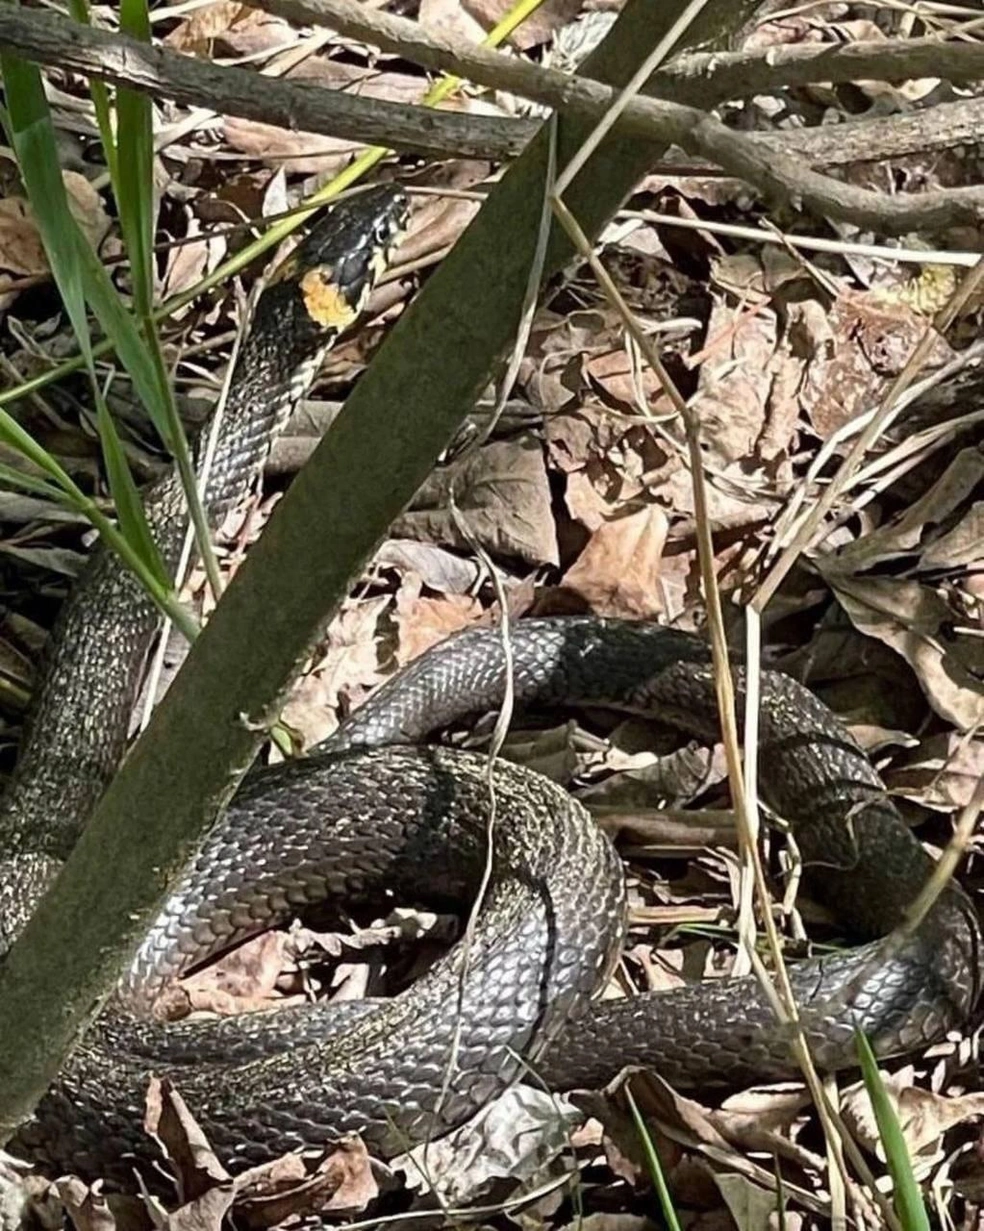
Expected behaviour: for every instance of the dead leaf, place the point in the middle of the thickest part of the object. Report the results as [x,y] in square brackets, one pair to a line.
[448,19]
[343,1183]
[611,1222]
[735,382]
[904,535]
[504,495]
[21,251]
[942,772]
[423,622]
[870,343]
[196,1166]
[89,1210]
[304,153]
[617,573]
[240,981]
[924,1116]
[752,1207]
[229,28]
[912,620]
[347,669]
[436,567]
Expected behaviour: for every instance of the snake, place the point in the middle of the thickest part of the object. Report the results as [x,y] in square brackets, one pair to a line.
[380,813]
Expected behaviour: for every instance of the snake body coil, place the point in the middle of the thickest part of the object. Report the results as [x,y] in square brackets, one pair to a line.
[360,821]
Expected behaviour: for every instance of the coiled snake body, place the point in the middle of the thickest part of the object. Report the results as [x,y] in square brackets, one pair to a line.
[361,821]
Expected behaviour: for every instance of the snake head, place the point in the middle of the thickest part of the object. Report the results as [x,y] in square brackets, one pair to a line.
[319,290]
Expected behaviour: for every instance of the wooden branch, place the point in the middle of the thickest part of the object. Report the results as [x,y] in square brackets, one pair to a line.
[740,74]
[49,38]
[52,39]
[778,176]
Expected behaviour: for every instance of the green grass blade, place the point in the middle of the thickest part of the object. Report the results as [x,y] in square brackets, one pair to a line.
[32,137]
[10,476]
[126,499]
[907,1197]
[134,184]
[79,276]
[99,93]
[653,1163]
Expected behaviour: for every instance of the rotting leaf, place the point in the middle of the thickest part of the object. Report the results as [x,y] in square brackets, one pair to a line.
[752,1207]
[924,1116]
[912,619]
[344,1182]
[904,535]
[504,495]
[197,1168]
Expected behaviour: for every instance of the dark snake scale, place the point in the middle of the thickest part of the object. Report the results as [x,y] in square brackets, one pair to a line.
[369,817]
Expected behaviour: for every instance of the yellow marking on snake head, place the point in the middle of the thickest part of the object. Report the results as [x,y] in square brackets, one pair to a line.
[325,303]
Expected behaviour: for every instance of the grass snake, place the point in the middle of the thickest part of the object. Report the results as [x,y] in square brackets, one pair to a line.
[372,815]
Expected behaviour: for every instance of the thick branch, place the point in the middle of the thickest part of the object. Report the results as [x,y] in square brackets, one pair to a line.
[205,731]
[49,38]
[780,176]
[740,74]
[52,39]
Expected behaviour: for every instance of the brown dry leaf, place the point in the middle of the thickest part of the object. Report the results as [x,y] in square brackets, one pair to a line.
[752,1207]
[905,534]
[611,1222]
[617,573]
[188,263]
[735,382]
[238,29]
[423,622]
[242,980]
[343,1183]
[21,251]
[448,19]
[198,1170]
[942,772]
[503,493]
[913,620]
[924,1116]
[761,1120]
[870,343]
[959,548]
[348,668]
[88,1210]
[625,380]
[438,569]
[87,208]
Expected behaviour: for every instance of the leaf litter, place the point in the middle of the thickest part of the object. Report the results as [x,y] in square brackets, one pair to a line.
[582,499]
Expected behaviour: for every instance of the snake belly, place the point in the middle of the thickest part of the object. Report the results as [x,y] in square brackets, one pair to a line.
[361,821]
